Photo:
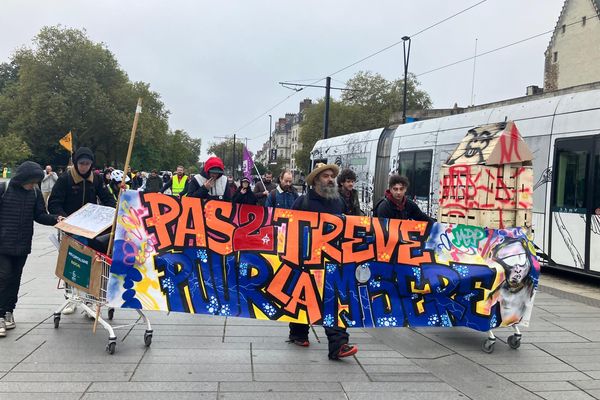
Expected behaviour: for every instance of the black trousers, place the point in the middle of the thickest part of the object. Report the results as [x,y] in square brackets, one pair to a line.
[336,336]
[11,269]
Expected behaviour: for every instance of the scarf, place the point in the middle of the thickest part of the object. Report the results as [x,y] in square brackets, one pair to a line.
[398,203]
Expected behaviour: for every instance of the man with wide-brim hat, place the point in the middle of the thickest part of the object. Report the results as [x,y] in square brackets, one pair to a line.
[320,167]
[323,197]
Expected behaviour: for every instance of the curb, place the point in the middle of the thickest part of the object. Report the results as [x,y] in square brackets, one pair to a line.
[569,296]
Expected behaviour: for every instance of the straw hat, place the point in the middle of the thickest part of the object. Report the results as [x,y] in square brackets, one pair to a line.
[320,167]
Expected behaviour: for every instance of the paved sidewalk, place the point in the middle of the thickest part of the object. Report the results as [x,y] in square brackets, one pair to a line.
[201,357]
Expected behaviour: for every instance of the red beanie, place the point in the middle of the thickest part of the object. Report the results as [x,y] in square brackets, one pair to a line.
[214,164]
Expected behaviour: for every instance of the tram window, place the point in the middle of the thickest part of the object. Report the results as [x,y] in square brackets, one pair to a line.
[570,179]
[416,166]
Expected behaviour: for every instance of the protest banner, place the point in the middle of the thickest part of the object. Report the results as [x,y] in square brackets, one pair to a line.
[79,266]
[224,259]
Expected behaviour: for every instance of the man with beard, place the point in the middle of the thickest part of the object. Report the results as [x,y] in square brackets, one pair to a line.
[323,197]
[262,189]
[285,194]
[74,189]
[348,194]
[178,184]
[396,205]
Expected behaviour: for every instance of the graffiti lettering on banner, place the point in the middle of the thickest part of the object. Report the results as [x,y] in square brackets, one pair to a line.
[226,259]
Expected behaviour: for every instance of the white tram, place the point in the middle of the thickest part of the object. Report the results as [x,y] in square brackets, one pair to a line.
[561,128]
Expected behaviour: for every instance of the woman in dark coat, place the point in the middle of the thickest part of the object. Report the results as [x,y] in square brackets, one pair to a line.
[21,203]
[244,194]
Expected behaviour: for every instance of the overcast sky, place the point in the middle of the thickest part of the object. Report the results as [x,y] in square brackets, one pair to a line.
[217,64]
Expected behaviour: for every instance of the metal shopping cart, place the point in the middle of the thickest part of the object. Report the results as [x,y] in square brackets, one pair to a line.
[92,305]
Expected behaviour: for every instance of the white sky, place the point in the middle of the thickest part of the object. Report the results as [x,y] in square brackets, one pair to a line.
[217,64]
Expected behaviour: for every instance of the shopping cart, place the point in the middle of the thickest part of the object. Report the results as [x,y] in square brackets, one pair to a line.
[92,305]
[514,340]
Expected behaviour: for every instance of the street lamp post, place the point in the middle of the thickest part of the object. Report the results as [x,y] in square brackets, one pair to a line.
[406,59]
[270,139]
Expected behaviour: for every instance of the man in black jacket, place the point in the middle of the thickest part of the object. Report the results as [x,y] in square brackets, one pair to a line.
[396,205]
[74,189]
[323,197]
[154,183]
[348,194]
[21,202]
[79,186]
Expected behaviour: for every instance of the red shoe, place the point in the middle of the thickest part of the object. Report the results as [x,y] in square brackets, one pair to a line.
[301,343]
[347,351]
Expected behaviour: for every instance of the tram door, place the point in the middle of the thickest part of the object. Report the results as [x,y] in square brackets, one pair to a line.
[575,204]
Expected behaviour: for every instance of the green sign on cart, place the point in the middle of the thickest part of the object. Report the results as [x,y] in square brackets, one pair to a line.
[78,267]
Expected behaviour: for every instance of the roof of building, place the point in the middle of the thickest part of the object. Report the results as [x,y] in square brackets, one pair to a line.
[559,22]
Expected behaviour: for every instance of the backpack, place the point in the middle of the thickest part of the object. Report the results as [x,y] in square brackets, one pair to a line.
[376,206]
[4,189]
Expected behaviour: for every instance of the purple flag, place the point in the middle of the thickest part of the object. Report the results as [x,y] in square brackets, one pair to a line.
[248,164]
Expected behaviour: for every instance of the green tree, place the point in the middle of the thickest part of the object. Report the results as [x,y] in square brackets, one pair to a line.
[260,167]
[368,106]
[13,150]
[66,82]
[224,150]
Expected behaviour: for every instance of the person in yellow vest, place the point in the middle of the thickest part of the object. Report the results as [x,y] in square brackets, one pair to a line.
[178,183]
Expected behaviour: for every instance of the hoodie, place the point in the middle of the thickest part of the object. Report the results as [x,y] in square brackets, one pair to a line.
[73,190]
[19,208]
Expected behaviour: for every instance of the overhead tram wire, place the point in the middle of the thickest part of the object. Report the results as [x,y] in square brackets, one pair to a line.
[358,62]
[499,48]
[411,36]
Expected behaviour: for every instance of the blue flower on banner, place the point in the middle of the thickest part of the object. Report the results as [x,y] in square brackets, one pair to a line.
[328,320]
[462,270]
[213,306]
[433,320]
[202,255]
[168,285]
[387,321]
[375,284]
[224,310]
[446,320]
[244,269]
[330,268]
[269,310]
[417,273]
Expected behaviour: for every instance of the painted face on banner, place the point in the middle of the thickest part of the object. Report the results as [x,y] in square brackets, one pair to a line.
[515,260]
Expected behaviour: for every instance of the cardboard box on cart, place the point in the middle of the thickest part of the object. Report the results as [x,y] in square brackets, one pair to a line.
[77,264]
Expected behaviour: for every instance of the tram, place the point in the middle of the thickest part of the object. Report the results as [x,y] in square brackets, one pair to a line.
[561,128]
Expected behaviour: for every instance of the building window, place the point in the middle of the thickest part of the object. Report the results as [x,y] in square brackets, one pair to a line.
[583,20]
[564,28]
[555,56]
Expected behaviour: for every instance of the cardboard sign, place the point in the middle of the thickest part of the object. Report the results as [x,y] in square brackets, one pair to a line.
[79,266]
[89,221]
[225,259]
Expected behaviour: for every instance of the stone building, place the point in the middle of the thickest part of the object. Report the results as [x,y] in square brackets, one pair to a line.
[573,54]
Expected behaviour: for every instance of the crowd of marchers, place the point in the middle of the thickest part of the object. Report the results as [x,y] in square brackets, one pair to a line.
[47,197]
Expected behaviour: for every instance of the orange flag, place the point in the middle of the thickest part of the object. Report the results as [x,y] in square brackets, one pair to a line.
[67,142]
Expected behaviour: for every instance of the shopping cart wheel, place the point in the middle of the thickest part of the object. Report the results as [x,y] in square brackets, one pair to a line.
[111,347]
[514,341]
[148,338]
[488,346]
[56,320]
[111,314]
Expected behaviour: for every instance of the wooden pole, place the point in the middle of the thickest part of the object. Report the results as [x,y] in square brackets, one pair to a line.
[138,111]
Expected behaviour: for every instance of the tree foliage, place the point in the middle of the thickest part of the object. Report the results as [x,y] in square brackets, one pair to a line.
[224,150]
[369,105]
[66,82]
[13,149]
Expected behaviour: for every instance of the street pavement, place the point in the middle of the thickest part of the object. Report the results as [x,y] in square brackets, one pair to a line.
[202,357]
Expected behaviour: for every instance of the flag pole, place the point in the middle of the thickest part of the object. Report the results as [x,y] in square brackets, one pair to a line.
[138,110]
